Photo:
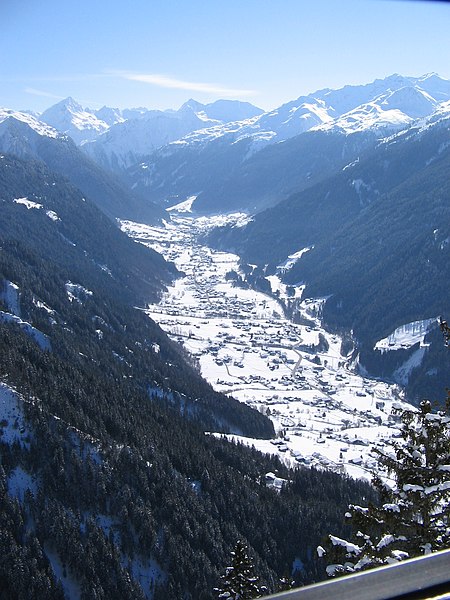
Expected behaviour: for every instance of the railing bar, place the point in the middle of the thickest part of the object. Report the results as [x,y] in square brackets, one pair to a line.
[382,583]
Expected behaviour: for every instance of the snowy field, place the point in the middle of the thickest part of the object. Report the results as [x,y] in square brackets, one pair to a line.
[325,414]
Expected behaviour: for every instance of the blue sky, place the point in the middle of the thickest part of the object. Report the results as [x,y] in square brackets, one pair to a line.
[159,53]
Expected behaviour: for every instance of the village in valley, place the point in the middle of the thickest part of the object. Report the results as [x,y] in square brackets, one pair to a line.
[326,414]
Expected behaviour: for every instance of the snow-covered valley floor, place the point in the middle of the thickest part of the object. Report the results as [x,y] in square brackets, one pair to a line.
[326,415]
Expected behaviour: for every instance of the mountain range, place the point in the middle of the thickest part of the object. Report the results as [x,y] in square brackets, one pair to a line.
[223,153]
[226,154]
[28,138]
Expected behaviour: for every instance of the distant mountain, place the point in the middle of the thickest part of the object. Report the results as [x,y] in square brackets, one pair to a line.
[110,116]
[229,111]
[70,118]
[26,137]
[236,166]
[126,143]
[145,130]
[227,177]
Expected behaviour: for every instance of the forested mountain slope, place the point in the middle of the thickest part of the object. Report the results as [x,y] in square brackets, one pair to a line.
[86,269]
[27,138]
[231,176]
[109,486]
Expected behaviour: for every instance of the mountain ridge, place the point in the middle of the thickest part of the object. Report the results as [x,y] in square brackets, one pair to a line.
[376,110]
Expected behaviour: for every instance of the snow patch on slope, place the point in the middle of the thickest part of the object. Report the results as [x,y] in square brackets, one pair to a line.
[293,258]
[27,203]
[11,298]
[13,427]
[183,207]
[406,335]
[42,340]
[402,374]
[76,292]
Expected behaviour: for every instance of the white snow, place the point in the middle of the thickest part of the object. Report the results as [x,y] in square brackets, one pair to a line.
[369,116]
[70,118]
[402,374]
[349,547]
[76,292]
[10,296]
[400,555]
[183,207]
[385,541]
[293,258]
[440,487]
[52,215]
[44,306]
[38,126]
[13,427]
[40,338]
[325,414]
[406,335]
[28,203]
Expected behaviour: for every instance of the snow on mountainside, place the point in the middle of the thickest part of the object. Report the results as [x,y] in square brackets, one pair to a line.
[23,136]
[406,336]
[378,109]
[231,110]
[71,118]
[110,116]
[392,110]
[125,143]
[394,101]
[133,133]
[7,115]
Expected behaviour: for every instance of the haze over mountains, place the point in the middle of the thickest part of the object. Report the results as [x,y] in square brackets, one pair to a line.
[224,153]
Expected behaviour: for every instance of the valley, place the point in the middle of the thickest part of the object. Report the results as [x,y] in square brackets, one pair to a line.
[224,307]
[325,414]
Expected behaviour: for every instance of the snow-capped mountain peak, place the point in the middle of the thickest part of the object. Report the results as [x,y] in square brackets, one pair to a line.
[69,117]
[412,101]
[110,116]
[191,105]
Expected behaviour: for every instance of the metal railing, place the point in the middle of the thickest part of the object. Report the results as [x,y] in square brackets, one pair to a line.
[417,578]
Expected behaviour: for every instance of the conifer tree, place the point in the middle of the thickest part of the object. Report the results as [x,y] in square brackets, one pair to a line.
[413,516]
[239,581]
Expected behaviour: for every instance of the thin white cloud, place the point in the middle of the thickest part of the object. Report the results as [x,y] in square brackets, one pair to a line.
[172,83]
[35,92]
